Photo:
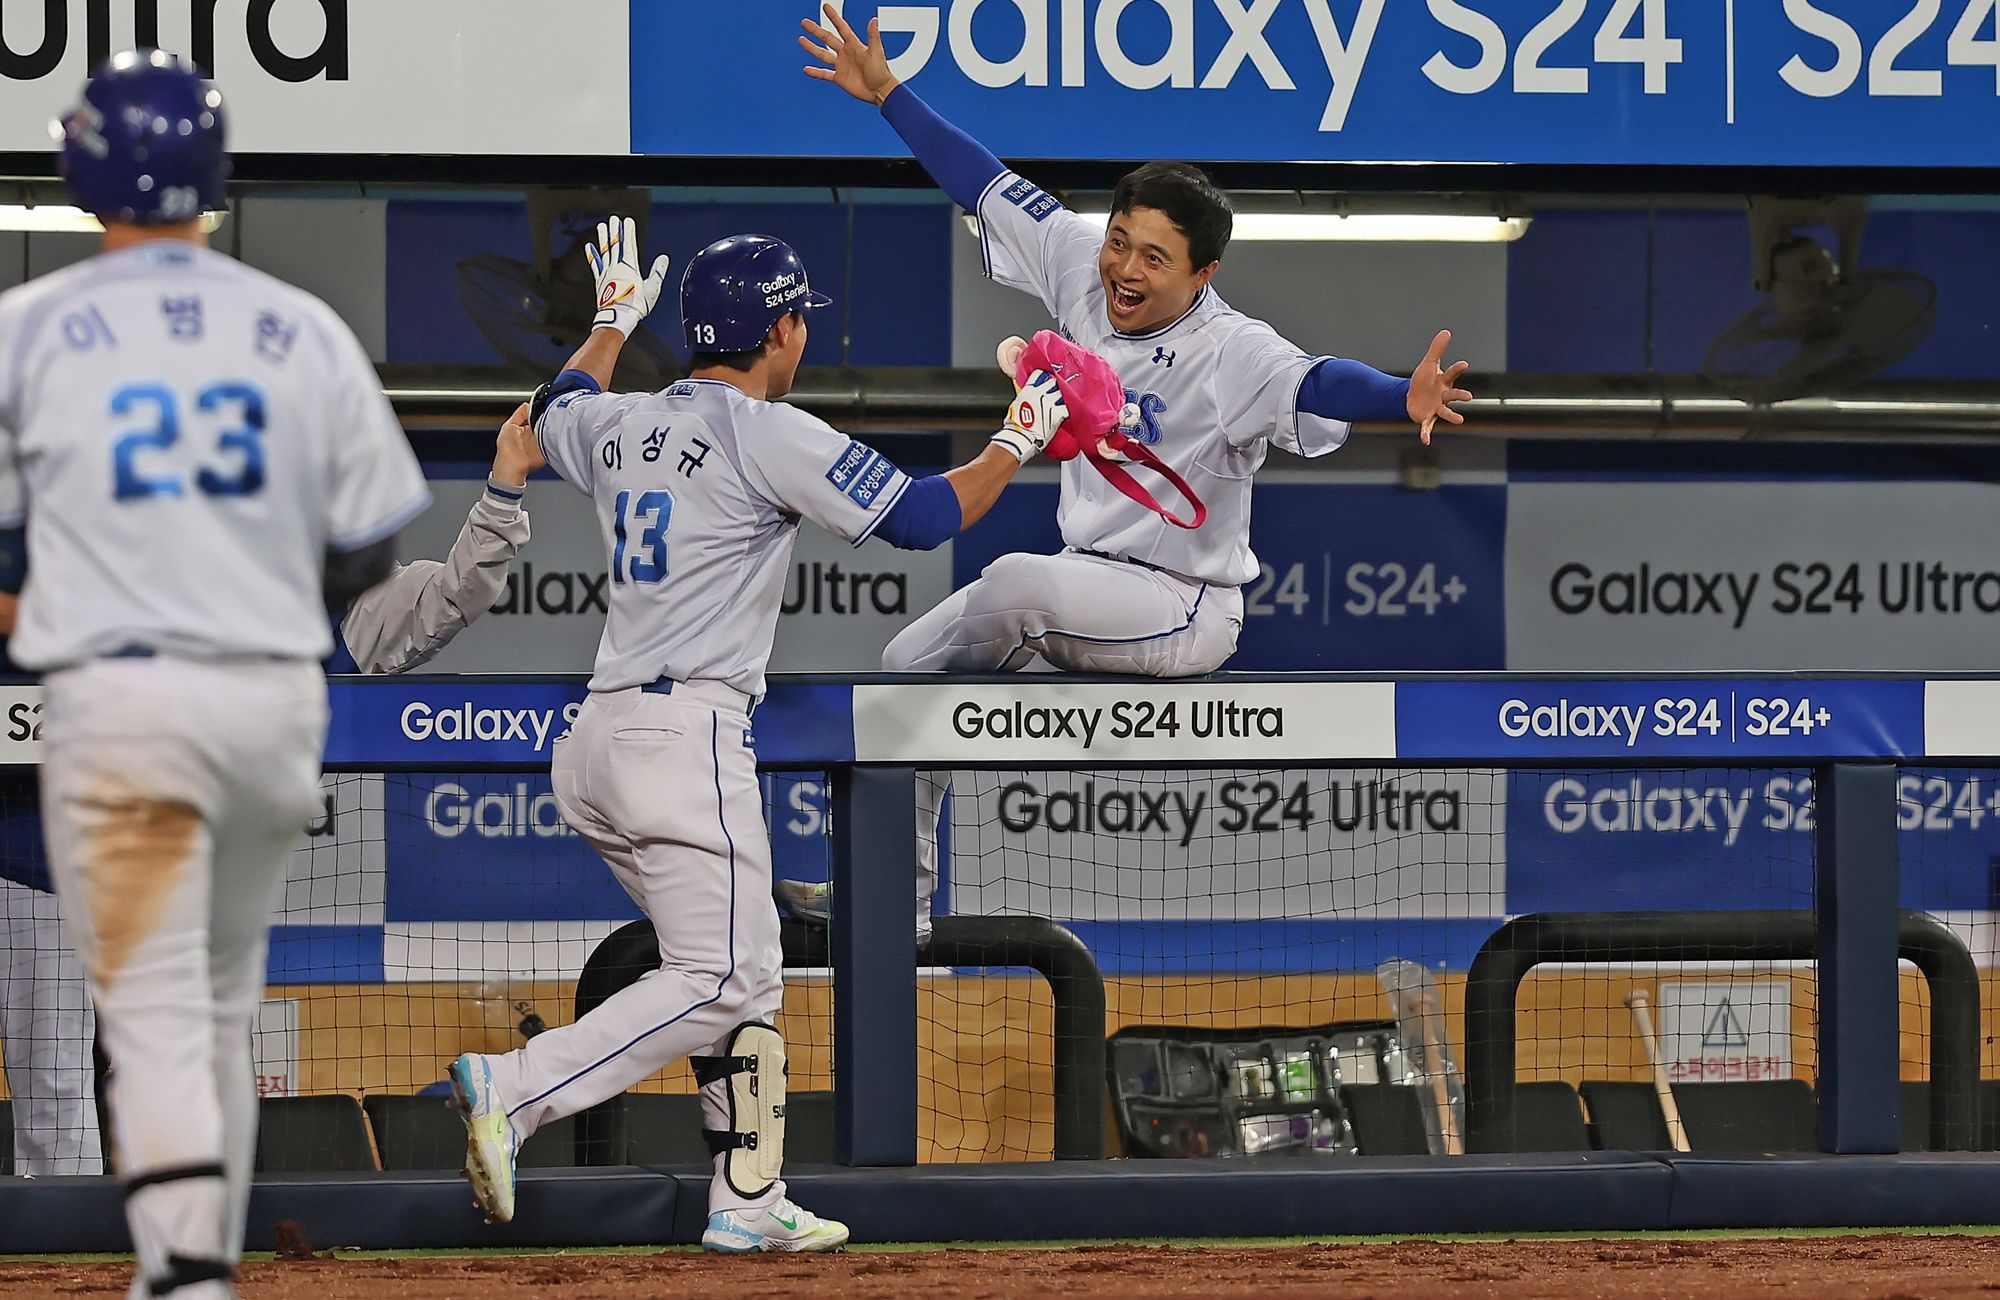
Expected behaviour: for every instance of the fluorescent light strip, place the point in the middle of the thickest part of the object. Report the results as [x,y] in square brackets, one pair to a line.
[58,218]
[1367,227]
[1371,227]
[47,217]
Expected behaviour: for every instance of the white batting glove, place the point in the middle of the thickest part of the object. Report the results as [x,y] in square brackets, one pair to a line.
[1038,411]
[624,294]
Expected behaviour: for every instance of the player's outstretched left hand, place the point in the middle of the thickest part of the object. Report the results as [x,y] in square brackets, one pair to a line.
[1433,388]
[624,293]
[1037,412]
[859,67]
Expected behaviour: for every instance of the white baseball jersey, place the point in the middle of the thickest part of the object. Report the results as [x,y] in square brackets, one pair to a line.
[1213,388]
[192,435]
[699,490]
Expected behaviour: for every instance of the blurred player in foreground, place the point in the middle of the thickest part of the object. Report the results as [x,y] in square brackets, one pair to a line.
[46,1021]
[699,491]
[1209,390]
[180,564]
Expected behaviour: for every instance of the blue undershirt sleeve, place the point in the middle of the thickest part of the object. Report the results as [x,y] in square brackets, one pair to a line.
[569,381]
[924,517]
[960,165]
[1353,392]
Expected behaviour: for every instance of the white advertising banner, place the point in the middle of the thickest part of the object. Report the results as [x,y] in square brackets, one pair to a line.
[1044,720]
[841,603]
[1665,577]
[349,76]
[1219,845]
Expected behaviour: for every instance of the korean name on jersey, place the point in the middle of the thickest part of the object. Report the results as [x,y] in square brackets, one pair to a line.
[699,490]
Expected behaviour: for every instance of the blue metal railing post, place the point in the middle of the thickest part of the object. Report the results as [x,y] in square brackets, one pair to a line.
[874,965]
[1859,1028]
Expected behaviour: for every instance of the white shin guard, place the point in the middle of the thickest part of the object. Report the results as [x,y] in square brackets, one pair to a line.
[753,1146]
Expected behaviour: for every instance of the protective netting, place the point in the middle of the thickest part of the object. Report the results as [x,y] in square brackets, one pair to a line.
[1285,952]
[1284,957]
[1948,842]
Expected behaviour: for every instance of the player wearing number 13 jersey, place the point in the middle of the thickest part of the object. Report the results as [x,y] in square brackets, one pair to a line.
[203,459]
[699,492]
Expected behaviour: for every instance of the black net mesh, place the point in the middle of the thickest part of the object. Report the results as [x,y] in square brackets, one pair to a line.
[1948,842]
[1285,952]
[1284,957]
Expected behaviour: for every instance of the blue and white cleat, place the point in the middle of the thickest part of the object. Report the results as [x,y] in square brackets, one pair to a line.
[779,1226]
[490,1140]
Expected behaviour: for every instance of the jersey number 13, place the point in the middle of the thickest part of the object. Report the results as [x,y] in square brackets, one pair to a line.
[647,515]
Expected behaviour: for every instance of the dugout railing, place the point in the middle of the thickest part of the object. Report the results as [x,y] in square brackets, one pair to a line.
[1034,943]
[873,736]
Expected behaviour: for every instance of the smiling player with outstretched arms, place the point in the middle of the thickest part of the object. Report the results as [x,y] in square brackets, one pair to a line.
[1209,390]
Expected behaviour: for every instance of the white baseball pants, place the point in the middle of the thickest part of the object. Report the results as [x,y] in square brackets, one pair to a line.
[1081,613]
[665,789]
[48,1028]
[172,796]
[1077,612]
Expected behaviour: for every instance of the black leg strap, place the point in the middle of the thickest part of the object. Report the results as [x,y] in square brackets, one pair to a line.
[709,1069]
[185,1271]
[722,1140]
[172,1174]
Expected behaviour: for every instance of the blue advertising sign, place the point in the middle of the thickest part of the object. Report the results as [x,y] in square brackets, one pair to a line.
[1350,578]
[1693,82]
[1697,838]
[1775,718]
[448,723]
[1375,578]
[489,847]
[1668,838]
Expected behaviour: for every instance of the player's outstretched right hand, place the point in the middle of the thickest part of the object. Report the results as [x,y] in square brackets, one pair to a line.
[624,294]
[1033,418]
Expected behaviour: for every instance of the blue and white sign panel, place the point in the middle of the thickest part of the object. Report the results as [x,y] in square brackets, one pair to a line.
[1532,720]
[1892,83]
[1460,802]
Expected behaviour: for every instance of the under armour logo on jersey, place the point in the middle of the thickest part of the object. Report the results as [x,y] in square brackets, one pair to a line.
[1162,357]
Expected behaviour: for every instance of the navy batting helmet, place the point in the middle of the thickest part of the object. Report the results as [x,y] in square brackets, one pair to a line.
[734,290]
[145,145]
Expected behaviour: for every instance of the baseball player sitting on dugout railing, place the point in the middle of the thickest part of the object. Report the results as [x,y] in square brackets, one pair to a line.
[1209,391]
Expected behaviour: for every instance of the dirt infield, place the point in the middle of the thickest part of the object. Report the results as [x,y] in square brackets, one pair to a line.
[1872,1267]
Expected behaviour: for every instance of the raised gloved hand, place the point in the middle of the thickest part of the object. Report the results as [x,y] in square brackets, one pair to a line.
[1033,418]
[624,294]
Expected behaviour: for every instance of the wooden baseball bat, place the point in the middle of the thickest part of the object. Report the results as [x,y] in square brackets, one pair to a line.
[1433,1046]
[1662,1085]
